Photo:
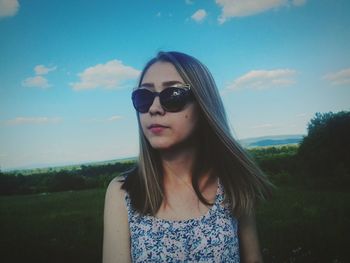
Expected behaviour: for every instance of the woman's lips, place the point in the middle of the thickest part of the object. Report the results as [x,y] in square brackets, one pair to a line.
[157,128]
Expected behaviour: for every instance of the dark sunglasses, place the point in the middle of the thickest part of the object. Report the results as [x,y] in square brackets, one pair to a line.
[172,99]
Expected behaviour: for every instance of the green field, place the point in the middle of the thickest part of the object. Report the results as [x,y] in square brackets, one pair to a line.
[305,226]
[57,227]
[295,226]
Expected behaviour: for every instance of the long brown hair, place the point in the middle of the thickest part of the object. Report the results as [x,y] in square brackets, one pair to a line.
[244,183]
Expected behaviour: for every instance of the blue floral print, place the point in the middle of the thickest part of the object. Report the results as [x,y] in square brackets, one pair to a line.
[212,237]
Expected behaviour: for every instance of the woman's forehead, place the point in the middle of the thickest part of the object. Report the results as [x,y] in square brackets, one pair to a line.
[170,83]
[161,74]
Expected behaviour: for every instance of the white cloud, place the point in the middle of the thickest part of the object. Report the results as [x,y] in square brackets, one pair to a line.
[301,115]
[33,120]
[115,118]
[199,15]
[113,74]
[8,7]
[264,126]
[189,2]
[239,8]
[104,120]
[341,77]
[37,82]
[263,79]
[298,2]
[42,70]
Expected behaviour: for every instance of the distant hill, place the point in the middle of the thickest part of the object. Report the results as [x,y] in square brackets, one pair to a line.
[266,141]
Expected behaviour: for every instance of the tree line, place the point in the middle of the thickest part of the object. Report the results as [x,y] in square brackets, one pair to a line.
[321,158]
[87,177]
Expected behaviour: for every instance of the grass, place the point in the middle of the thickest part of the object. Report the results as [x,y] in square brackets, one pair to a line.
[305,226]
[58,227]
[297,225]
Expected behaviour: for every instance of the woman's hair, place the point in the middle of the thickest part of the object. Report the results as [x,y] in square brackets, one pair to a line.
[244,183]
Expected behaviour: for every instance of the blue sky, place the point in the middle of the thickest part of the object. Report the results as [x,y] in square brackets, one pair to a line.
[68,68]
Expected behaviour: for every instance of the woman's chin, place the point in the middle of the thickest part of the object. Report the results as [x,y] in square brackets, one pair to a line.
[165,145]
[161,146]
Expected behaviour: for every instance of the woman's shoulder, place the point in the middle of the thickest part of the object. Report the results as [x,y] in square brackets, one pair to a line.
[117,187]
[115,192]
[116,184]
[116,231]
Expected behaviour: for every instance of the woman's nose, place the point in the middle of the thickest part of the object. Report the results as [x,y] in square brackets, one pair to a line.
[156,107]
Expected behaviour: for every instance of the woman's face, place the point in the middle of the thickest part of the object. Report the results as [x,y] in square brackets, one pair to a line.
[177,126]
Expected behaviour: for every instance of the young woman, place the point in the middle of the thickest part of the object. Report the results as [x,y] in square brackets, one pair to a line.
[192,195]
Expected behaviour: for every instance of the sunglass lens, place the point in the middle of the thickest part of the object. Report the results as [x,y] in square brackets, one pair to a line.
[142,100]
[173,99]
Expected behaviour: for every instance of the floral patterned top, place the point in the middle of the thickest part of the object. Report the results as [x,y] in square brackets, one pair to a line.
[212,237]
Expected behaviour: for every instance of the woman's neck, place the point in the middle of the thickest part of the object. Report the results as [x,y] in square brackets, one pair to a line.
[179,163]
[180,199]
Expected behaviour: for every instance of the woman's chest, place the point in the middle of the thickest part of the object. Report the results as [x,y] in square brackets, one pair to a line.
[181,207]
[211,238]
[184,204]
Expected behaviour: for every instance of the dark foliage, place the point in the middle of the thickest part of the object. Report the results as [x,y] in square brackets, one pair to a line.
[274,160]
[324,152]
[64,180]
[86,177]
[278,163]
